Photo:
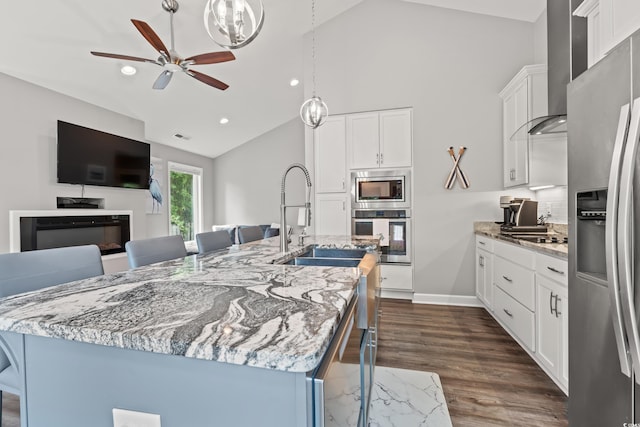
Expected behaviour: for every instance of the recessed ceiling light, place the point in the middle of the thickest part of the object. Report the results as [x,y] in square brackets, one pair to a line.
[294,82]
[224,121]
[128,70]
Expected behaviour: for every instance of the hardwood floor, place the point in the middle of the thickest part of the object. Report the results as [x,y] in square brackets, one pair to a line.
[488,379]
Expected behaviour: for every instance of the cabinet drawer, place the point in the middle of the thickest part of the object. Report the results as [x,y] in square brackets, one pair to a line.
[484,242]
[398,277]
[516,254]
[553,268]
[515,280]
[516,317]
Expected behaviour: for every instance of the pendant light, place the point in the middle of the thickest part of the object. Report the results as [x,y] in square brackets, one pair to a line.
[314,111]
[233,23]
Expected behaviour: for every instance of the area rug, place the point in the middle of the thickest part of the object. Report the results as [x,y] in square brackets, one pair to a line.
[403,398]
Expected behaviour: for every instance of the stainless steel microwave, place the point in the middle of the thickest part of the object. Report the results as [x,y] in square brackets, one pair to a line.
[386,189]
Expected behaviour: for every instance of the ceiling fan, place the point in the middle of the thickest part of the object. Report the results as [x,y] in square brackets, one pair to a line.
[169,58]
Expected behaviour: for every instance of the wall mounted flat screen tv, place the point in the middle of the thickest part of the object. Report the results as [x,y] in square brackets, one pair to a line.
[91,157]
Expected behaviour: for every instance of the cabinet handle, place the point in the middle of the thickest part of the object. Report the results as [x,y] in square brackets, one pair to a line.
[557,299]
[507,279]
[481,261]
[343,207]
[551,302]
[377,158]
[512,174]
[507,312]
[343,184]
[555,270]
[381,158]
[482,243]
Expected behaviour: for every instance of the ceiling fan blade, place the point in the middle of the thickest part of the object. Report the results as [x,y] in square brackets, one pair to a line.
[211,58]
[151,37]
[125,57]
[163,79]
[207,79]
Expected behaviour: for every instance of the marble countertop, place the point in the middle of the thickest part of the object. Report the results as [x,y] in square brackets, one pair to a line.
[234,306]
[491,229]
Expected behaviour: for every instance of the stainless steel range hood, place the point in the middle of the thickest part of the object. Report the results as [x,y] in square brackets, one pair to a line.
[567,59]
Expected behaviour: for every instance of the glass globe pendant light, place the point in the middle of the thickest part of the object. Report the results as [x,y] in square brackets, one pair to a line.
[233,23]
[313,111]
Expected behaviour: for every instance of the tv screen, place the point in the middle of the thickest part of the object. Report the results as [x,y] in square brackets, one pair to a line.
[91,157]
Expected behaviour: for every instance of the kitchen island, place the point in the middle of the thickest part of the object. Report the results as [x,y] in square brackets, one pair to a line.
[223,339]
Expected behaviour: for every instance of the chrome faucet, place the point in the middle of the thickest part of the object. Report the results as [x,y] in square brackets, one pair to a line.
[284,236]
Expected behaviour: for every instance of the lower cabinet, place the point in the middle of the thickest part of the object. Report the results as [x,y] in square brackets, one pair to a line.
[484,277]
[396,279]
[529,298]
[332,215]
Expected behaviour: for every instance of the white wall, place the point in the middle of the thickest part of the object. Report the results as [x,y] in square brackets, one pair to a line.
[540,39]
[449,66]
[247,179]
[29,115]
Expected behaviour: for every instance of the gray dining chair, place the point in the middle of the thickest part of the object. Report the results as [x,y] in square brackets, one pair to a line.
[213,240]
[149,251]
[29,271]
[249,234]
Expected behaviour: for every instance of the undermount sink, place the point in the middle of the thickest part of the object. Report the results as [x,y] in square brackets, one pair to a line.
[328,257]
[324,262]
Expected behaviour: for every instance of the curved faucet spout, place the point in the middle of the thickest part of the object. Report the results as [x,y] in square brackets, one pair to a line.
[284,236]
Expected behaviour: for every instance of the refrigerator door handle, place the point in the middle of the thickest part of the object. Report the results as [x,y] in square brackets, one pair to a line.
[611,242]
[626,238]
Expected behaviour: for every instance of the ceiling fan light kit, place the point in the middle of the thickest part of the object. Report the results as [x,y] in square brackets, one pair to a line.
[233,23]
[169,59]
[313,111]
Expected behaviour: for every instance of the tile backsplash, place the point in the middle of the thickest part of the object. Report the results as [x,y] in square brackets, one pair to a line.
[553,202]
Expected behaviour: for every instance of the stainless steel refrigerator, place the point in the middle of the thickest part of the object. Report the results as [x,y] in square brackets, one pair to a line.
[604,225]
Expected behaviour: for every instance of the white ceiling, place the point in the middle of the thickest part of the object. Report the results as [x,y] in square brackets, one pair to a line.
[48,44]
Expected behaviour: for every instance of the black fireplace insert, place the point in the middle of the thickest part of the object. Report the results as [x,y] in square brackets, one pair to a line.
[108,232]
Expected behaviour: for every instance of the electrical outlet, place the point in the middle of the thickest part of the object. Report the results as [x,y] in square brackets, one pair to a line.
[125,418]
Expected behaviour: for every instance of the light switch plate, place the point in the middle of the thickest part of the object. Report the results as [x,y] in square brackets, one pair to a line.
[125,418]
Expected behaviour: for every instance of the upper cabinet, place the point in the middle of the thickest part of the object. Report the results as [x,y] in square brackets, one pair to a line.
[379,139]
[329,156]
[608,23]
[523,99]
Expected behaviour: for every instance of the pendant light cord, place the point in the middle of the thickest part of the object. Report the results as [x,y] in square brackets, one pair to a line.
[313,46]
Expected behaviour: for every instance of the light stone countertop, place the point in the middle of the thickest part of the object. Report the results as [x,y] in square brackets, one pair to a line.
[232,306]
[491,229]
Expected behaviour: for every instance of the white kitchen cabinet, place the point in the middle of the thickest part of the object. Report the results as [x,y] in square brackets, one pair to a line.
[379,139]
[329,146]
[590,9]
[552,317]
[396,277]
[523,99]
[484,271]
[514,299]
[618,20]
[332,215]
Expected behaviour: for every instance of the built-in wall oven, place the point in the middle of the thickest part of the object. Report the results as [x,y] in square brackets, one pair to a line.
[394,228]
[381,206]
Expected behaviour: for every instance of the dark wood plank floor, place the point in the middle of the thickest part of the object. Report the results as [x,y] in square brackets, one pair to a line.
[488,379]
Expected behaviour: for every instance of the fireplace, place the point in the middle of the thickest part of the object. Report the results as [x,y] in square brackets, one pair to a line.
[42,230]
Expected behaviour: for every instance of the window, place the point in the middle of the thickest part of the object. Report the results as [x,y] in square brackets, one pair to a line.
[185,200]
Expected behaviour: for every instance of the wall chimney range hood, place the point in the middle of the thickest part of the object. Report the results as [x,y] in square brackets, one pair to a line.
[567,59]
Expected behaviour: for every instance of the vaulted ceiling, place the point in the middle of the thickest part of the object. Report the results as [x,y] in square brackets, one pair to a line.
[48,43]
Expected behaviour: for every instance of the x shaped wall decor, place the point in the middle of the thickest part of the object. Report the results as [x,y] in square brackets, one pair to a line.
[456,171]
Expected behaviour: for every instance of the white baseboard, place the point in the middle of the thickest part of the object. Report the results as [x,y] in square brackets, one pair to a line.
[390,293]
[464,300]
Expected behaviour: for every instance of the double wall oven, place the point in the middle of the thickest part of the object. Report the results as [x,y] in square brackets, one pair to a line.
[381,206]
